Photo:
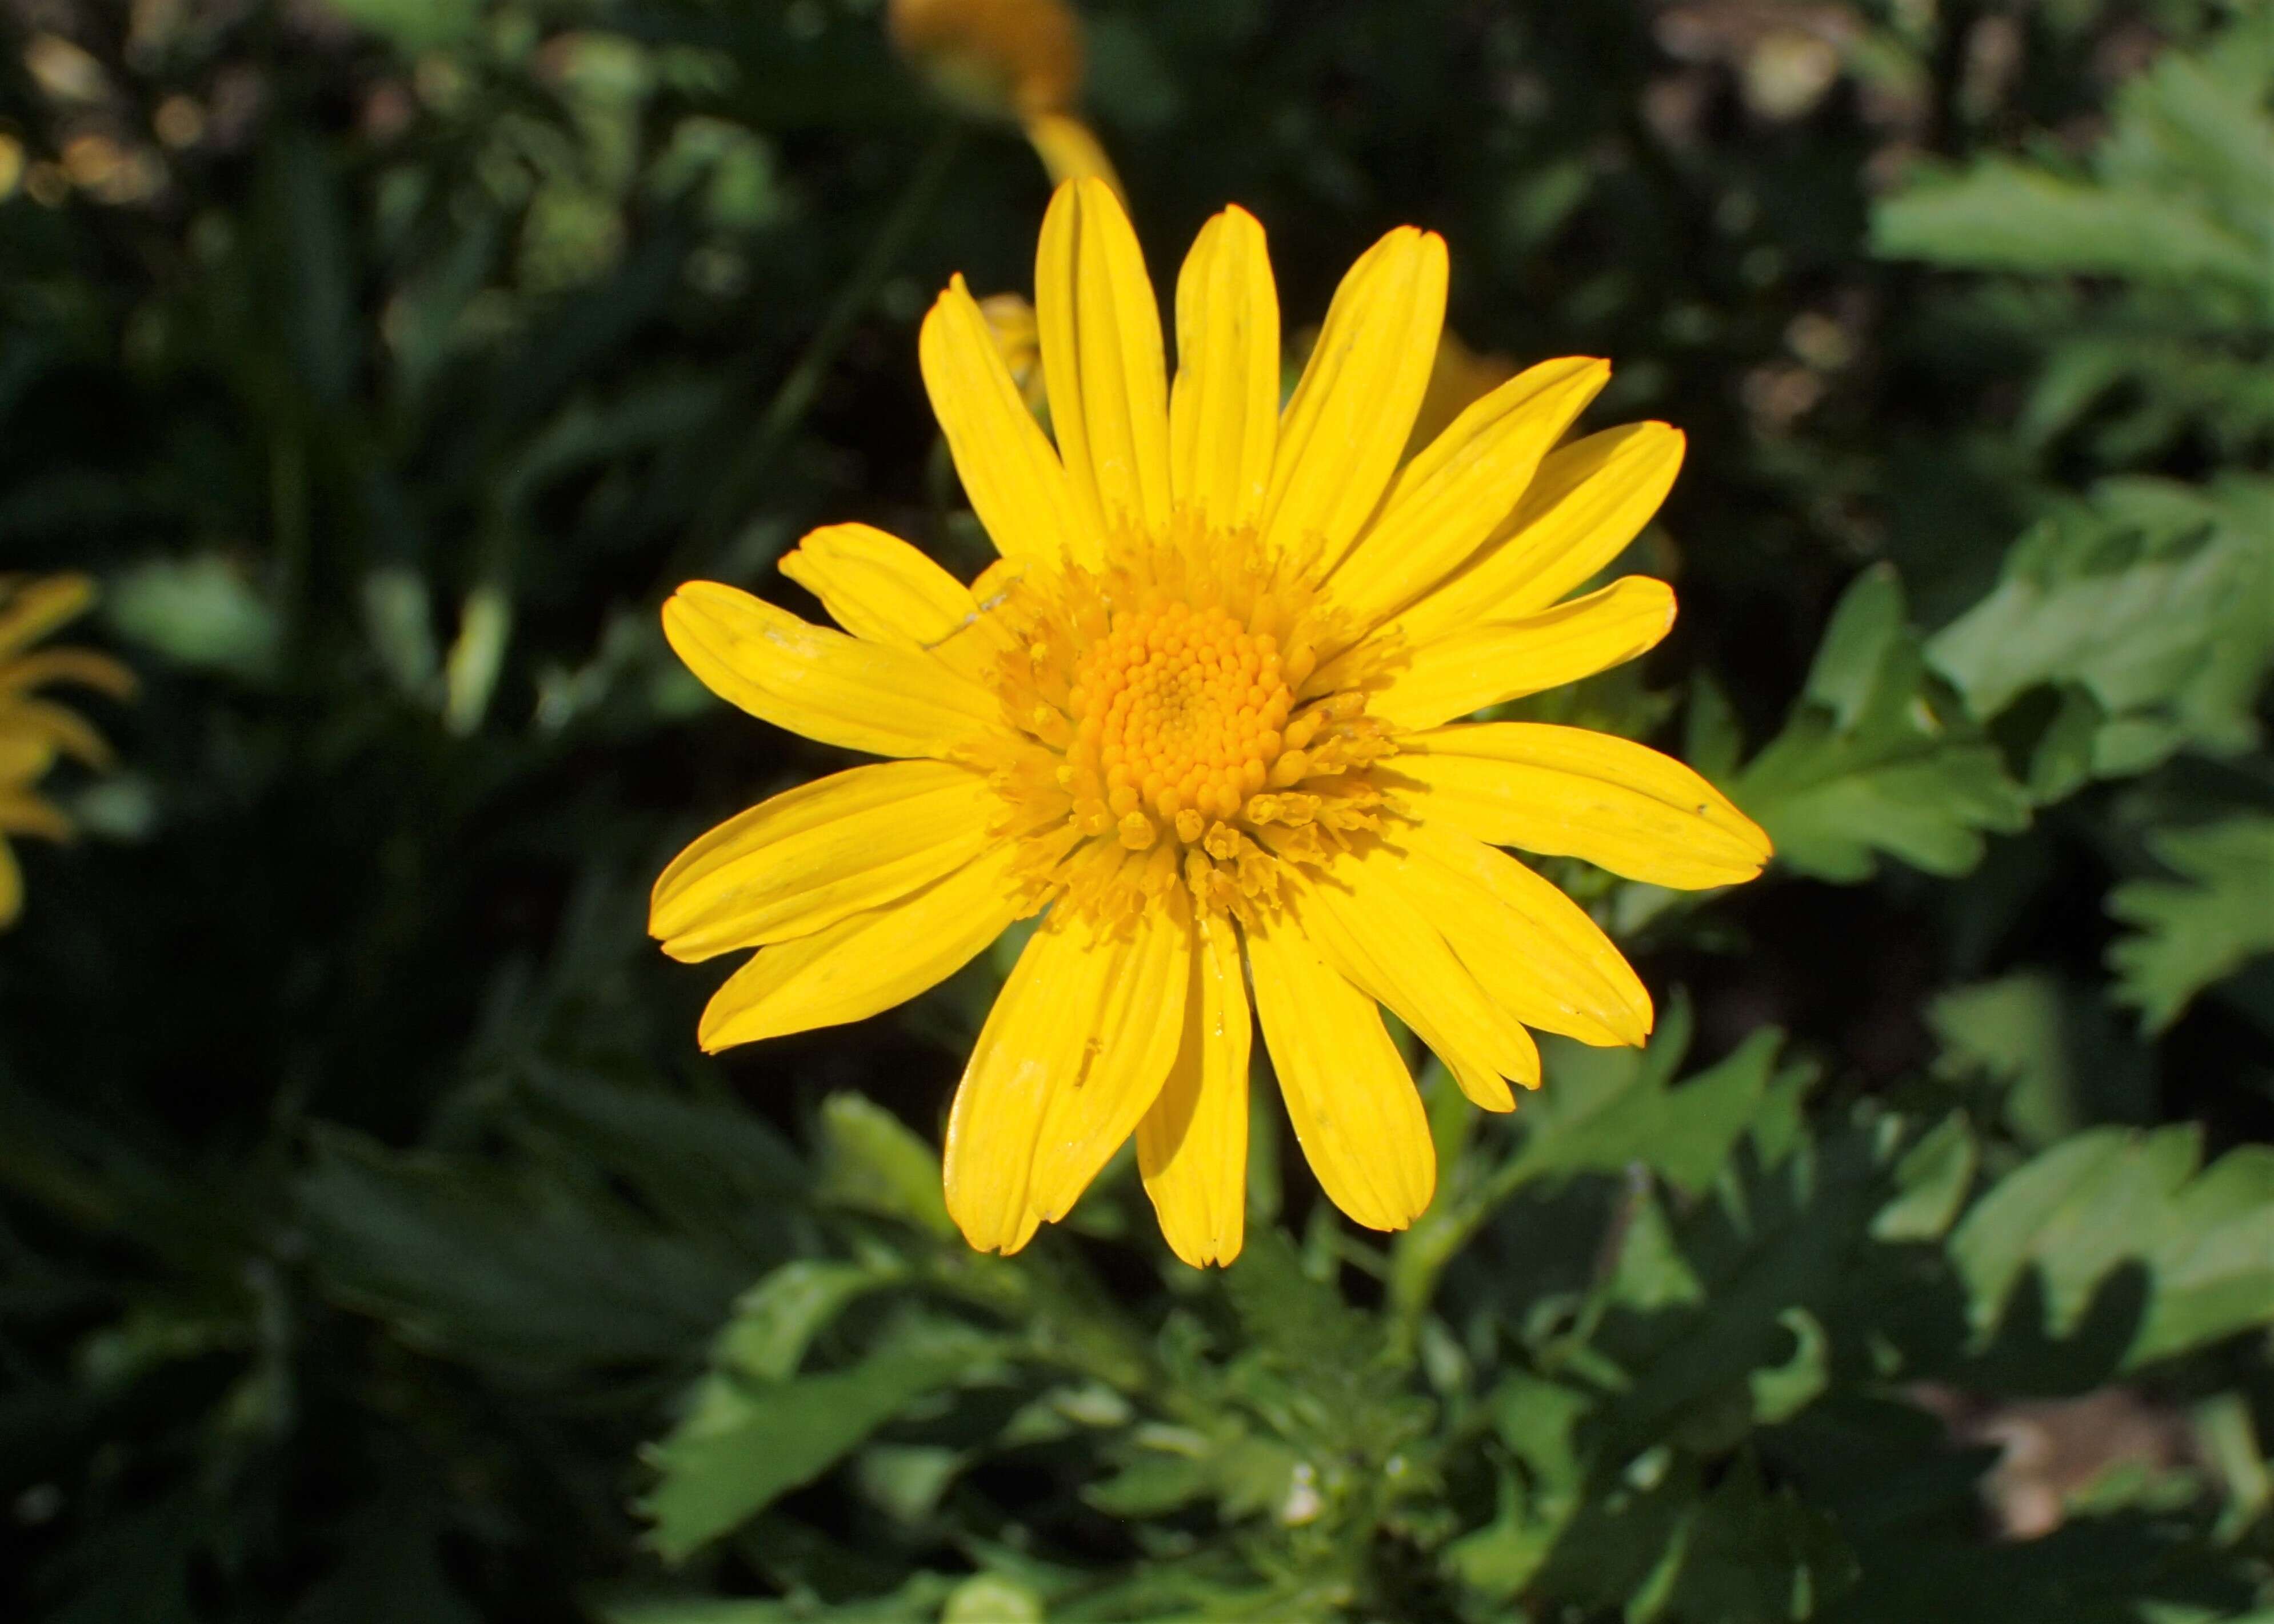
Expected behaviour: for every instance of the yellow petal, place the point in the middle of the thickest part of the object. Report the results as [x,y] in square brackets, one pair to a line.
[816,854]
[11,887]
[1223,413]
[1126,1060]
[1345,425]
[62,730]
[1191,1146]
[1588,501]
[1014,480]
[1018,1137]
[1364,922]
[823,684]
[35,608]
[1570,793]
[23,813]
[83,666]
[1348,1095]
[1463,671]
[1102,360]
[867,963]
[1070,150]
[24,756]
[1449,500]
[878,587]
[1534,951]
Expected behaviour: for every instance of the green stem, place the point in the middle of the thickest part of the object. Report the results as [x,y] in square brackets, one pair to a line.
[802,384]
[1420,1255]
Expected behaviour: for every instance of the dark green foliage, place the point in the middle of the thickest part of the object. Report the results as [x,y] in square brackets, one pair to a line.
[374,1243]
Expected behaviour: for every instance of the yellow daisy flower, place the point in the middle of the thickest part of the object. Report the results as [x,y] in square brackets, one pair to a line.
[1205,711]
[35,732]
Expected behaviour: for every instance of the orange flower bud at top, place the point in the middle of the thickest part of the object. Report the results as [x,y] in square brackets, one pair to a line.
[1018,61]
[1007,59]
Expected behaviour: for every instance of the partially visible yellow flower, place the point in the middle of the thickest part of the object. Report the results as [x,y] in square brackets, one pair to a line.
[35,732]
[1019,341]
[1014,60]
[1460,378]
[1206,711]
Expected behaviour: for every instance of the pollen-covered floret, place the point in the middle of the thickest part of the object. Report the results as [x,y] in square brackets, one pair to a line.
[1177,730]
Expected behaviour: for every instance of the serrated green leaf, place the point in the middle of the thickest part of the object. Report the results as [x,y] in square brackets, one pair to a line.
[1757,1555]
[2000,215]
[1871,762]
[2149,601]
[1932,1180]
[752,1442]
[2194,932]
[1601,1111]
[2108,1199]
[775,1320]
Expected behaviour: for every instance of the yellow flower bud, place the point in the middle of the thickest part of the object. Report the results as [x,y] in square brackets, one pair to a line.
[1016,61]
[1004,59]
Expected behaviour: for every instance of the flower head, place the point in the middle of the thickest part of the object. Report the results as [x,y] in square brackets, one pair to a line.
[1204,716]
[34,731]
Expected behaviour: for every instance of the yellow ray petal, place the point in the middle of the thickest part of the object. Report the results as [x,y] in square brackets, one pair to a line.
[23,813]
[817,854]
[64,730]
[24,757]
[1463,671]
[1588,501]
[1449,499]
[1346,424]
[876,586]
[1102,360]
[1191,1146]
[823,684]
[35,608]
[1224,412]
[1364,924]
[1348,1095]
[1015,482]
[1126,1059]
[1534,950]
[1567,792]
[1036,1041]
[83,666]
[867,963]
[11,887]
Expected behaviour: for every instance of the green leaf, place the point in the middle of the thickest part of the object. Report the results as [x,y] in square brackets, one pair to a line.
[916,1601]
[776,1319]
[1932,1180]
[1873,759]
[872,1163]
[1537,1420]
[1603,1109]
[2151,601]
[414,25]
[1754,1555]
[751,1442]
[2109,1199]
[2001,216]
[199,612]
[2198,930]
[503,1268]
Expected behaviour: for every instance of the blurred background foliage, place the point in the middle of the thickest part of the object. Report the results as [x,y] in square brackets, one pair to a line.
[375,1245]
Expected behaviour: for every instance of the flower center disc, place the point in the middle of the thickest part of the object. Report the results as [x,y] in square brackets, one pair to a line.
[1180,711]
